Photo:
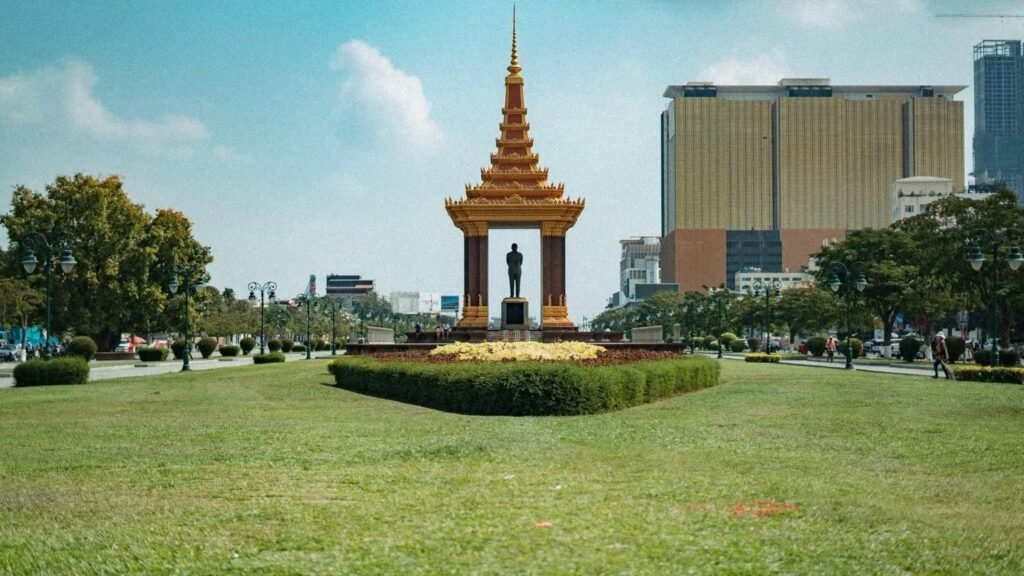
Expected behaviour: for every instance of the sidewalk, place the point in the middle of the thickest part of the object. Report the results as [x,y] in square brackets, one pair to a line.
[921,369]
[97,370]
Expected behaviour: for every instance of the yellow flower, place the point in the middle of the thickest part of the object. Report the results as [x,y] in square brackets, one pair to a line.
[518,351]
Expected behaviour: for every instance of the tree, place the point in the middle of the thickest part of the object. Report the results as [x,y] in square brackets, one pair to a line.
[18,300]
[125,257]
[810,309]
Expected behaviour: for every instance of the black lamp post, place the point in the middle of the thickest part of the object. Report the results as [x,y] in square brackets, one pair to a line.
[186,274]
[718,294]
[34,241]
[845,285]
[332,306]
[768,286]
[267,290]
[308,300]
[976,258]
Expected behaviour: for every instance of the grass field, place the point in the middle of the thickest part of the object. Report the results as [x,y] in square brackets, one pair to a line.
[268,469]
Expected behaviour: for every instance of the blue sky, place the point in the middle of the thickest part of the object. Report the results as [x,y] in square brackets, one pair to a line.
[323,137]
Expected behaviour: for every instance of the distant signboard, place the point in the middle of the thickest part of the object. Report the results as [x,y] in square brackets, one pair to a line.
[449,303]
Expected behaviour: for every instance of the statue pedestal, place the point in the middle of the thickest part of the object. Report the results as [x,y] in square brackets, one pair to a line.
[515,314]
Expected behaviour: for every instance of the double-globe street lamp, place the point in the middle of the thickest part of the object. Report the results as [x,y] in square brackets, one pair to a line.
[309,301]
[265,290]
[718,295]
[996,239]
[332,305]
[844,284]
[189,286]
[36,242]
[768,286]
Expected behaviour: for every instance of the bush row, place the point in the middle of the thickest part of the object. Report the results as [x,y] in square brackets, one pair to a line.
[1007,357]
[71,370]
[152,354]
[762,357]
[989,374]
[524,388]
[268,358]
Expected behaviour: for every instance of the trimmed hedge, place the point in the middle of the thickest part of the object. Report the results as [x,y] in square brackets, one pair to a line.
[754,343]
[206,346]
[524,388]
[287,344]
[298,348]
[738,345]
[858,347]
[274,345]
[909,347]
[152,354]
[247,344]
[73,370]
[229,351]
[1009,357]
[762,357]
[816,345]
[268,358]
[956,346]
[83,347]
[178,348]
[728,338]
[989,374]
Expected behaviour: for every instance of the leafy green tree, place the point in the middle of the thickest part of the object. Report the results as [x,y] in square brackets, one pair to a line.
[18,302]
[808,309]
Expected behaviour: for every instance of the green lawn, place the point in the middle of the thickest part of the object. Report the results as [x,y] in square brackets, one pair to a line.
[267,469]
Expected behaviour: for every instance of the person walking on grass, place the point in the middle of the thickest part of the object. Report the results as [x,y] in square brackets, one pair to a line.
[940,355]
[830,348]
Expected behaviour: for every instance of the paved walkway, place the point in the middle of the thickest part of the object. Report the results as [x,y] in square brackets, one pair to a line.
[922,368]
[98,371]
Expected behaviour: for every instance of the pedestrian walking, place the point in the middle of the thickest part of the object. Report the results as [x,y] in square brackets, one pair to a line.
[830,348]
[940,355]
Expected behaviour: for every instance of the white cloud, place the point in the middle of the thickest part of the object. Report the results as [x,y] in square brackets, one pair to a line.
[834,14]
[392,99]
[229,154]
[767,68]
[65,95]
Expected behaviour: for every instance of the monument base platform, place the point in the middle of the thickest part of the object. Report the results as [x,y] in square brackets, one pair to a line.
[515,314]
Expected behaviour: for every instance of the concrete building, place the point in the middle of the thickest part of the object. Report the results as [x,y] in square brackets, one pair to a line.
[911,196]
[761,176]
[746,279]
[999,114]
[411,303]
[639,271]
[347,288]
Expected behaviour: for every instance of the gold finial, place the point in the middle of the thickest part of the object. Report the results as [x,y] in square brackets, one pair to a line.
[514,66]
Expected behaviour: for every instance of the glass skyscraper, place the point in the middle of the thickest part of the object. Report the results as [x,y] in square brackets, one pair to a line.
[999,114]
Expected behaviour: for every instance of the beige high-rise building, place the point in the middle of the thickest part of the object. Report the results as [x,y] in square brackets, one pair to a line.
[761,176]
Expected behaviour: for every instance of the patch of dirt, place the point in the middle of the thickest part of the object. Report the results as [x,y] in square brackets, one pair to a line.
[762,508]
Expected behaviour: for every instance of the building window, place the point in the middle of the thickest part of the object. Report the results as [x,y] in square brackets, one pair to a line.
[908,209]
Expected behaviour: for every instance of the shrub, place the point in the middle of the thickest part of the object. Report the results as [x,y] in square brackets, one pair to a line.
[1009,357]
[298,348]
[710,343]
[762,357]
[274,345]
[909,347]
[152,354]
[728,338]
[268,358]
[524,388]
[229,351]
[989,374]
[858,347]
[754,343]
[83,347]
[73,370]
[178,348]
[206,346]
[247,344]
[983,357]
[738,345]
[320,345]
[287,344]
[955,345]
[816,345]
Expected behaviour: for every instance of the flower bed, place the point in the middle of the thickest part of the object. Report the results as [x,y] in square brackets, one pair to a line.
[518,351]
[762,357]
[989,374]
[524,388]
[609,356]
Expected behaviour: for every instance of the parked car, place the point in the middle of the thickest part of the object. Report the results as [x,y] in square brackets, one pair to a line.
[9,353]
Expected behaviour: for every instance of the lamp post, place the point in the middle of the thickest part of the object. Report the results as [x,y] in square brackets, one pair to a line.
[186,274]
[977,259]
[718,294]
[845,284]
[266,289]
[768,286]
[33,242]
[332,306]
[308,300]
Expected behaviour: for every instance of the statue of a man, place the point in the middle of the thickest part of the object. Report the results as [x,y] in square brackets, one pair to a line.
[514,259]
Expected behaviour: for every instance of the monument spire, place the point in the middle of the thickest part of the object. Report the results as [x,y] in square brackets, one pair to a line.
[514,67]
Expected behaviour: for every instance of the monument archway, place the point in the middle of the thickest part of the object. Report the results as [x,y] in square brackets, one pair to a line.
[514,193]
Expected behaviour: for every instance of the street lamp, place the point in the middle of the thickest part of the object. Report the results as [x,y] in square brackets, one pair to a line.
[34,241]
[976,258]
[173,286]
[718,294]
[307,300]
[837,284]
[267,290]
[332,306]
[769,286]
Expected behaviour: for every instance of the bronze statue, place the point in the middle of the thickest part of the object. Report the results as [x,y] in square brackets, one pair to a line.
[514,259]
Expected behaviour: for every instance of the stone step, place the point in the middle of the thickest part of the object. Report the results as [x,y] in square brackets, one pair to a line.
[514,335]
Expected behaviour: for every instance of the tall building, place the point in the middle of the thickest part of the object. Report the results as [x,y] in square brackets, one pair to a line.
[639,271]
[347,288]
[762,176]
[911,196]
[999,114]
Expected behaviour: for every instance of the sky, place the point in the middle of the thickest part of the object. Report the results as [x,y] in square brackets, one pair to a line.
[323,137]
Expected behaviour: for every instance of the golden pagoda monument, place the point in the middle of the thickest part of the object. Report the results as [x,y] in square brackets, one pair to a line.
[514,193]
